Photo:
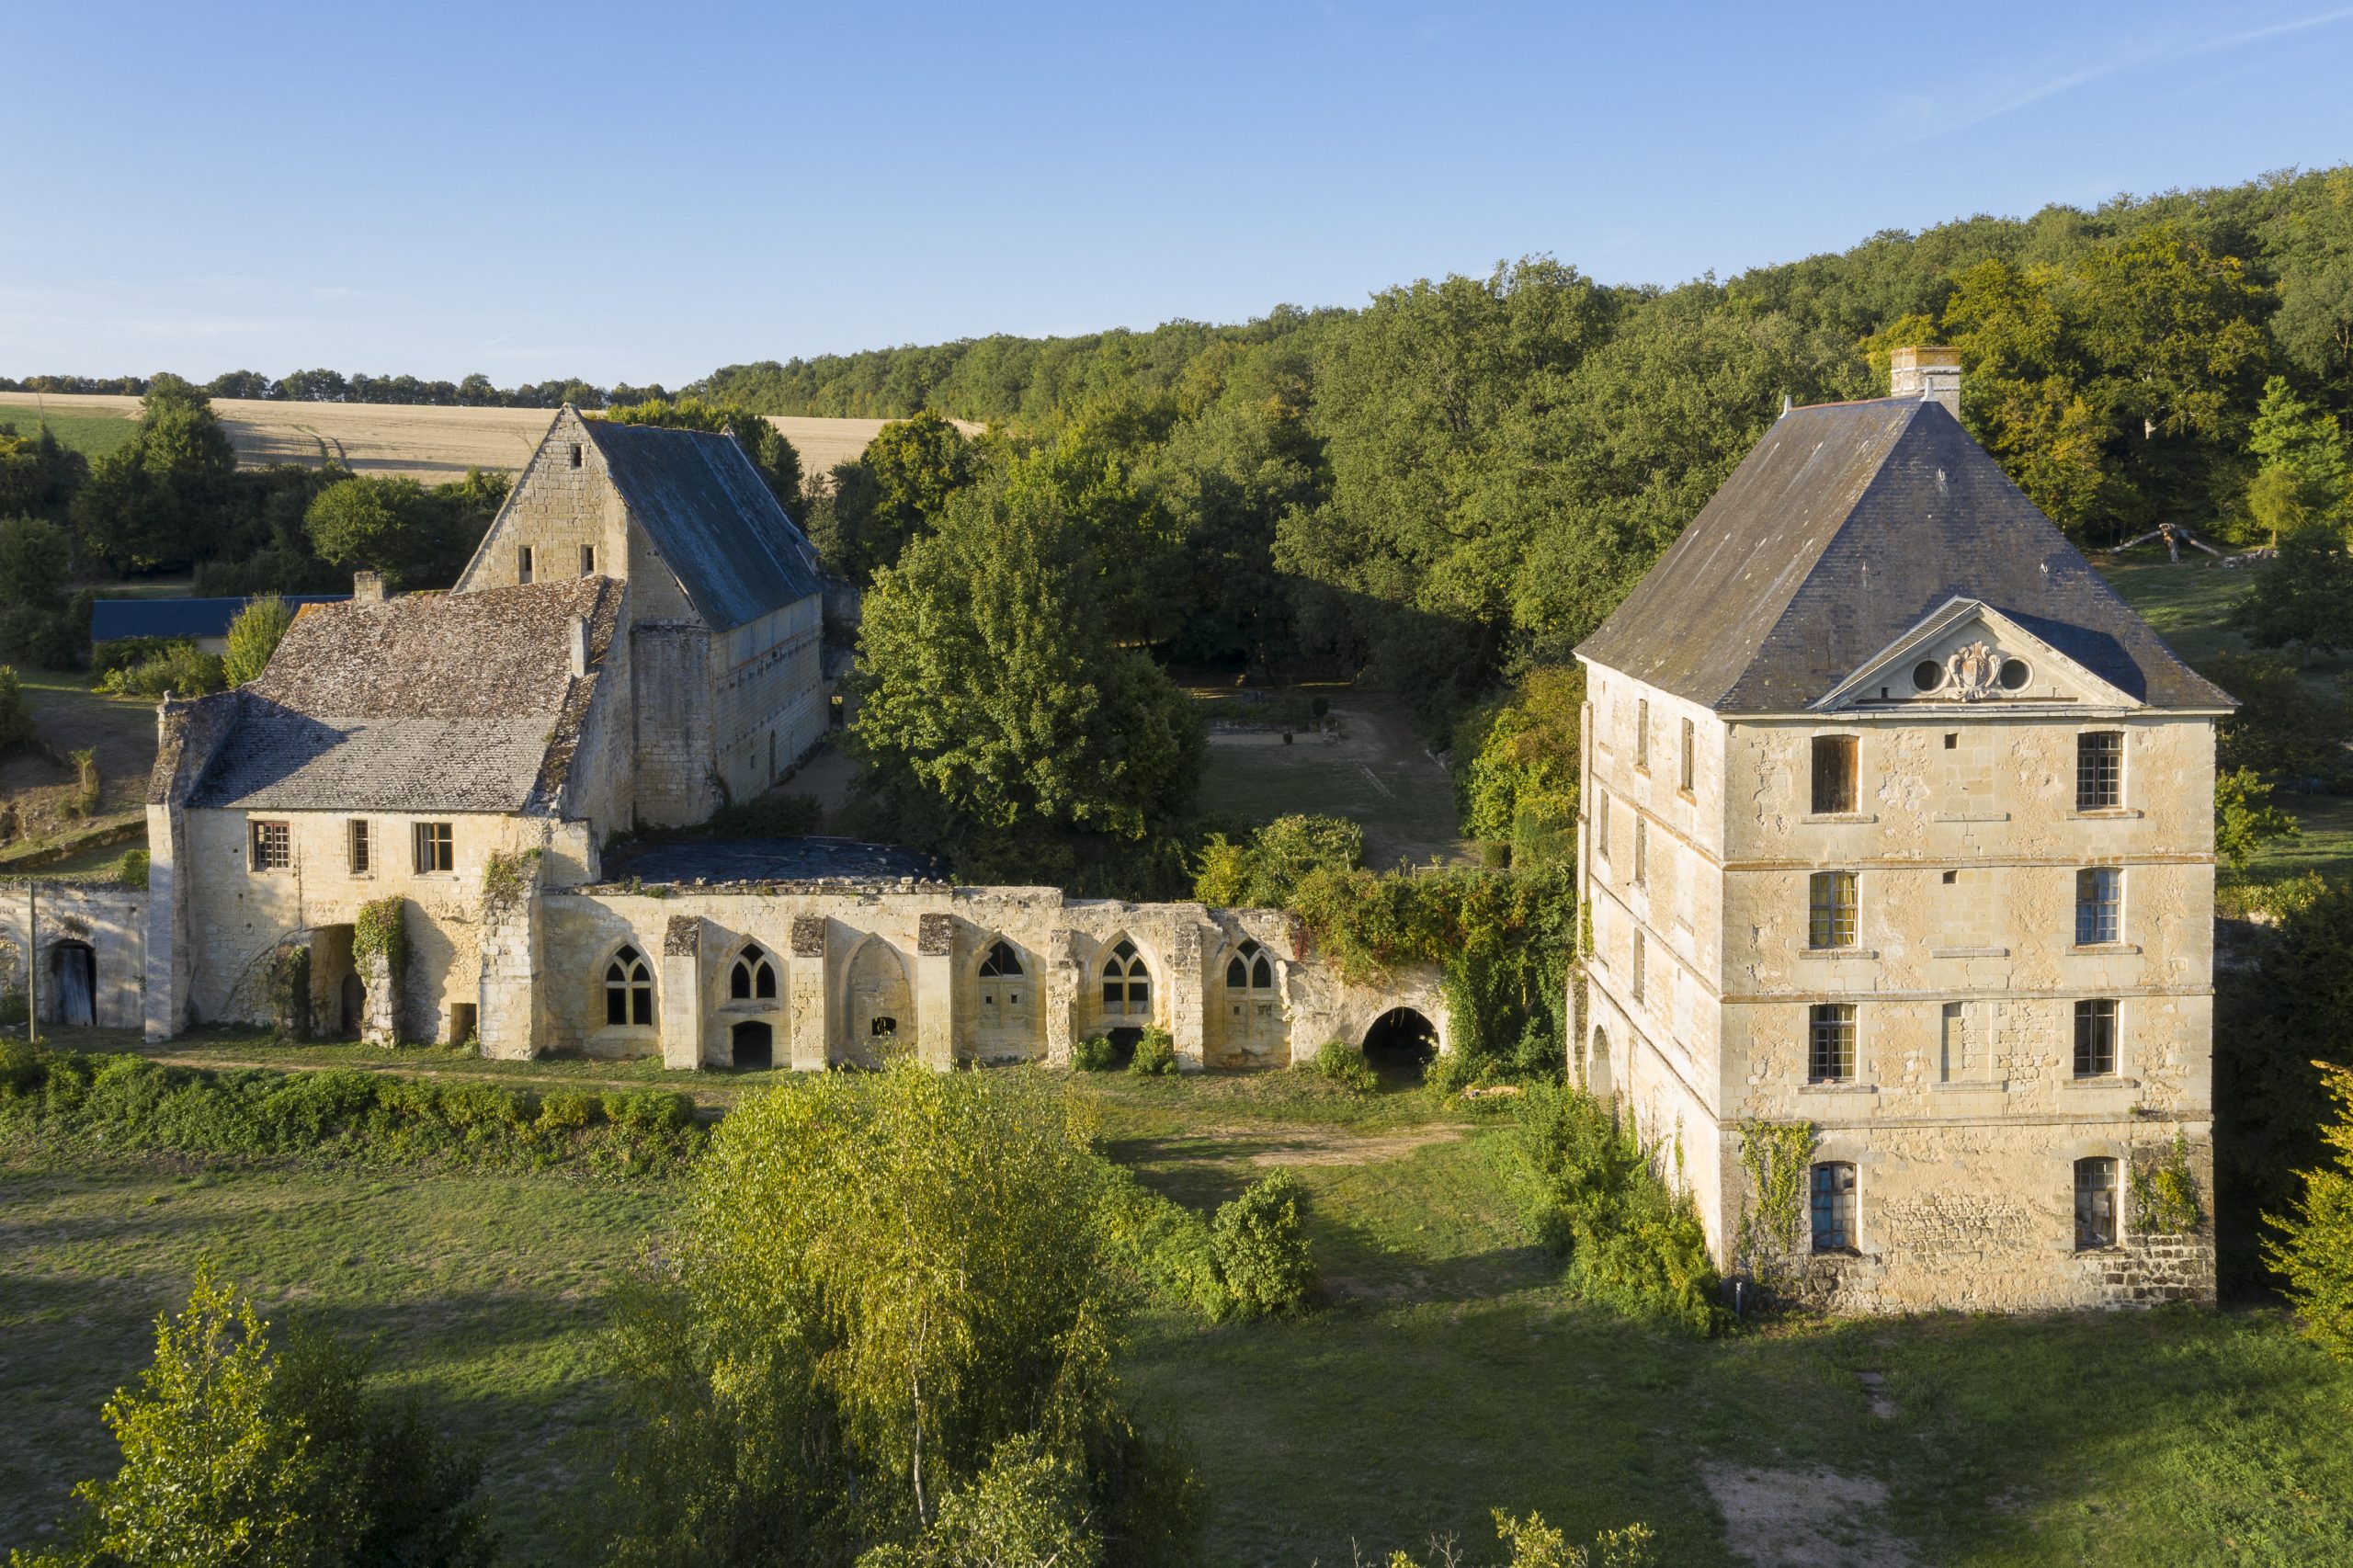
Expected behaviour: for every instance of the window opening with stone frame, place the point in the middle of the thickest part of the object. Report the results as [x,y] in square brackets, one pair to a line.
[629,991]
[273,845]
[362,863]
[2100,905]
[1642,852]
[2096,1037]
[575,454]
[1690,745]
[1250,969]
[2099,770]
[1602,825]
[1638,966]
[1830,910]
[1830,1043]
[1643,734]
[1835,759]
[523,563]
[587,560]
[437,847]
[1127,983]
[753,978]
[1001,986]
[2095,1203]
[1834,1206]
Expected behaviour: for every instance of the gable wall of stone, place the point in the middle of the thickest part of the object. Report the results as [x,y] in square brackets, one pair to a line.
[555,511]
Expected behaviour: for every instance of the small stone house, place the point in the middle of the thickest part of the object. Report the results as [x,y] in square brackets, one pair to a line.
[1898,823]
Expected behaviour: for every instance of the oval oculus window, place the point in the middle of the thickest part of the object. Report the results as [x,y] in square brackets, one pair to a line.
[2014,675]
[1927,675]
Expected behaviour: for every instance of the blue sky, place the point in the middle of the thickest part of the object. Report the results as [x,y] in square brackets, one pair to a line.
[646,192]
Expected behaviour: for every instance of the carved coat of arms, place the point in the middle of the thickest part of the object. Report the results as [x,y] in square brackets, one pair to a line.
[1974,672]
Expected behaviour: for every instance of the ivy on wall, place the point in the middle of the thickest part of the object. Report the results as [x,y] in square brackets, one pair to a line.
[289,990]
[381,928]
[506,879]
[2164,1191]
[1777,1155]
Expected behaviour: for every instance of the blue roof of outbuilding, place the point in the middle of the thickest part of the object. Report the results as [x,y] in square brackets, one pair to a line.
[112,620]
[715,521]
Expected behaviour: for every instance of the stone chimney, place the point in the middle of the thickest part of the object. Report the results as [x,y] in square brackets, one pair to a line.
[366,589]
[1927,373]
[579,641]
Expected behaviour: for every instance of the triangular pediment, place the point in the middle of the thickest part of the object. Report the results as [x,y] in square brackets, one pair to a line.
[1969,655]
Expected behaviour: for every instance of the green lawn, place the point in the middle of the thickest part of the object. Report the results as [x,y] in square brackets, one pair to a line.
[92,435]
[1448,1373]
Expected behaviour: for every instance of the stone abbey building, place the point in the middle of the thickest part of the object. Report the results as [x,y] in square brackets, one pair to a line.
[1899,823]
[636,643]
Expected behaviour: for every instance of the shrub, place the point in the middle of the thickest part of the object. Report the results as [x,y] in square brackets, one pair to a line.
[1096,1054]
[650,1112]
[88,785]
[254,636]
[1155,1055]
[2311,1248]
[1259,1244]
[567,1110]
[178,668]
[1338,1061]
[130,871]
[1632,1245]
[16,717]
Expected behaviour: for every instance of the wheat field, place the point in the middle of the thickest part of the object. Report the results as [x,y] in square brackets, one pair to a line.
[430,445]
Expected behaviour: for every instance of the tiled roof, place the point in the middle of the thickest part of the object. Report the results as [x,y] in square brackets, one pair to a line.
[715,521]
[433,702]
[112,621]
[1847,526]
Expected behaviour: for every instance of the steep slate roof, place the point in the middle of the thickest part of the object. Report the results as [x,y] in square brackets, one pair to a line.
[713,518]
[1847,526]
[455,702]
[114,620]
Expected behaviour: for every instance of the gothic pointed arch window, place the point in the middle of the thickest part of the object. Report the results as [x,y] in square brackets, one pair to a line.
[753,979]
[1127,983]
[628,990]
[1250,969]
[1003,986]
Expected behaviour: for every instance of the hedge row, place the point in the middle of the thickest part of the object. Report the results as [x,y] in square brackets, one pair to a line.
[130,1102]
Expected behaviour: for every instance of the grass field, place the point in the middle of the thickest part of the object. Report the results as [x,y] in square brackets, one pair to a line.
[431,445]
[1448,1373]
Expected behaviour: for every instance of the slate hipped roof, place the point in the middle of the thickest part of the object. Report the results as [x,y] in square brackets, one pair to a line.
[1845,528]
[434,702]
[714,520]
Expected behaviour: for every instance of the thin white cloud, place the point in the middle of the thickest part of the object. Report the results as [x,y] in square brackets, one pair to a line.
[1929,121]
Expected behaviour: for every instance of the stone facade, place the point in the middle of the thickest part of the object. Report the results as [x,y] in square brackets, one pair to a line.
[1958,923]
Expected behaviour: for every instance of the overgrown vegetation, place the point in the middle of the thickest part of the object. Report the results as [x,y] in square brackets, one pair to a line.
[1595,1195]
[128,1102]
[2311,1246]
[152,667]
[887,1324]
[254,636]
[380,929]
[1250,1259]
[1776,1157]
[1341,1061]
[235,1452]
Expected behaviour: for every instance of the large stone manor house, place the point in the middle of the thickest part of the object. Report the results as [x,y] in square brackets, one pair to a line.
[636,641]
[1899,823]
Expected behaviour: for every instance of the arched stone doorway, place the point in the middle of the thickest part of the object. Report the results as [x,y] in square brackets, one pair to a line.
[752,1046]
[73,980]
[1401,1041]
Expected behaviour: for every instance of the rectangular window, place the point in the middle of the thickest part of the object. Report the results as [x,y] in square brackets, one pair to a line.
[1833,1206]
[1830,1042]
[1642,851]
[575,454]
[1602,825]
[1955,1065]
[1638,966]
[361,863]
[1830,910]
[2099,770]
[2094,1204]
[523,565]
[1833,775]
[587,560]
[2100,905]
[2096,1037]
[273,845]
[1643,734]
[1687,744]
[435,847]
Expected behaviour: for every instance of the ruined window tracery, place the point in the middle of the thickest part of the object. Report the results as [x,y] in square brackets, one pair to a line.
[1127,983]
[1001,979]
[628,990]
[754,977]
[1250,969]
